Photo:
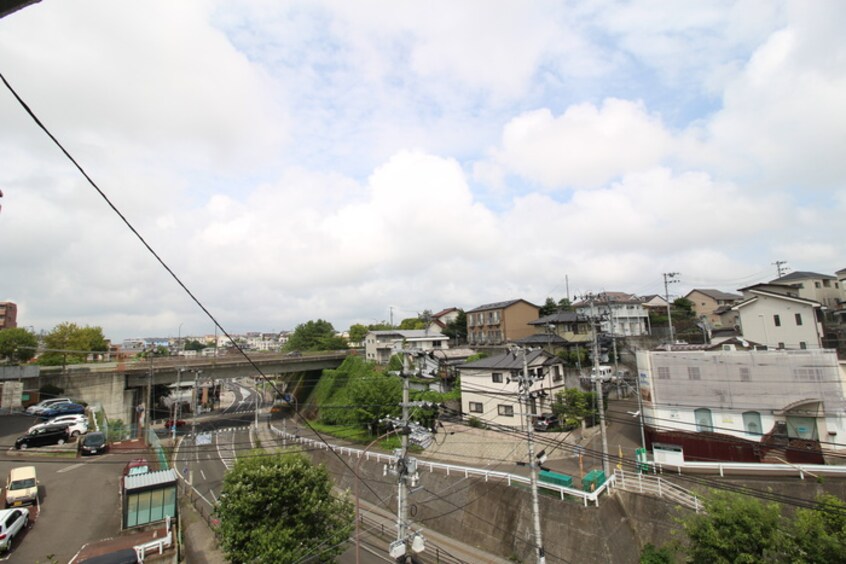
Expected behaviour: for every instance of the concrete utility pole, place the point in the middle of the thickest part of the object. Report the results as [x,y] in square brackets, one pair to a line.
[525,390]
[669,279]
[781,267]
[176,405]
[149,406]
[406,471]
[597,386]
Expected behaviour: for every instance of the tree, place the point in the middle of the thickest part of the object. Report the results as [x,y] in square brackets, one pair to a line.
[412,323]
[683,309]
[193,345]
[316,335]
[358,332]
[819,534]
[375,398]
[548,308]
[457,328]
[68,343]
[17,345]
[735,528]
[281,509]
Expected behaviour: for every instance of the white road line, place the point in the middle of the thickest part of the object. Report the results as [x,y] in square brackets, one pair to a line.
[69,468]
[203,474]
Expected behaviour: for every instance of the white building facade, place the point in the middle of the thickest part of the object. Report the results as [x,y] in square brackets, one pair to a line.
[379,346]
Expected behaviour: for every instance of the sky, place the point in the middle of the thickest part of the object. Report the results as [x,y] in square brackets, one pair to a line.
[364,161]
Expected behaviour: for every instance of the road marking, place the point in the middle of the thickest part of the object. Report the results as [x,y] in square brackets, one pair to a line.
[203,474]
[69,468]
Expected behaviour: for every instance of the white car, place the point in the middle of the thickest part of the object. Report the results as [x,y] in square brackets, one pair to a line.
[70,419]
[12,522]
[44,404]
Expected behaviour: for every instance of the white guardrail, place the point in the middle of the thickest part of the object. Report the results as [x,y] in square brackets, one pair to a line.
[751,469]
[650,484]
[450,469]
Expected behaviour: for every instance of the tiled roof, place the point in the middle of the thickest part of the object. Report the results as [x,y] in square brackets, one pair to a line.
[506,361]
[800,275]
[559,317]
[716,294]
[411,333]
[150,479]
[499,305]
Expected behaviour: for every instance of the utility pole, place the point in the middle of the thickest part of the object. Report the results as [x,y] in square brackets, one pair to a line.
[597,386]
[147,418]
[525,390]
[781,267]
[176,405]
[669,278]
[406,472]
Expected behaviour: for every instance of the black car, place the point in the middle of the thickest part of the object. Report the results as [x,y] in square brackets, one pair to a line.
[547,422]
[93,443]
[49,435]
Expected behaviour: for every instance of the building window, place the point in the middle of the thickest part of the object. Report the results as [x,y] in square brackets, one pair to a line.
[744,374]
[752,422]
[693,373]
[781,345]
[816,284]
[497,377]
[476,407]
[798,319]
[557,376]
[803,345]
[505,410]
[777,320]
[704,422]
[663,372]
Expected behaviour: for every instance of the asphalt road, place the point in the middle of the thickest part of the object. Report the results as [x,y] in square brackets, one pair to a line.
[80,497]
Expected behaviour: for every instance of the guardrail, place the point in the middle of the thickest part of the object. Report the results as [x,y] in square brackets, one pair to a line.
[649,484]
[157,545]
[752,469]
[450,469]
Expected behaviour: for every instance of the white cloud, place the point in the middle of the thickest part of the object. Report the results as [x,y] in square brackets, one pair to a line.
[586,146]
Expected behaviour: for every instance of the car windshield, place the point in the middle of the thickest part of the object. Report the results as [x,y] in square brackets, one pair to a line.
[135,471]
[95,439]
[22,484]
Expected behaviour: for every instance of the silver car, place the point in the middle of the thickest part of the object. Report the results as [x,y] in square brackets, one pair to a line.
[12,522]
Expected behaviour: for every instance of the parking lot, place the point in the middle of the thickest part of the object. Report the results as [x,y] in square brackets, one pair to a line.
[80,497]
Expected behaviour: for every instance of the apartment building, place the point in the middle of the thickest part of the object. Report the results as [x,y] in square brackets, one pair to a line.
[8,315]
[500,322]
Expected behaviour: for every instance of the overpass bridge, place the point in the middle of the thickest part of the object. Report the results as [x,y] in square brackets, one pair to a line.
[120,387]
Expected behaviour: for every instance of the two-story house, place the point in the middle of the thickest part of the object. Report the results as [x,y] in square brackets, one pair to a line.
[499,323]
[559,330]
[379,346]
[715,306]
[779,320]
[822,288]
[730,404]
[621,314]
[490,389]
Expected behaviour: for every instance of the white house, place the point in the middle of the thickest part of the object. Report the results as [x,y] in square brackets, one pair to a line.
[622,314]
[779,320]
[379,346]
[745,405]
[490,392]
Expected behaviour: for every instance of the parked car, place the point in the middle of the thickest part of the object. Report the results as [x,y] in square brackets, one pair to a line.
[12,522]
[21,486]
[169,424]
[44,404]
[547,422]
[61,409]
[49,435]
[74,421]
[93,443]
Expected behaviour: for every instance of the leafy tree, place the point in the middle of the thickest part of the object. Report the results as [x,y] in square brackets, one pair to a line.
[281,509]
[375,398]
[548,308]
[68,343]
[735,528]
[412,323]
[316,335]
[358,332]
[193,345]
[17,344]
[819,534]
[654,555]
[682,308]
[457,328]
[564,304]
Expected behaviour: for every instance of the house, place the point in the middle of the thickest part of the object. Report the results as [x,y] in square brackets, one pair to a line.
[500,323]
[779,320]
[560,330]
[622,314]
[822,288]
[737,403]
[490,391]
[714,306]
[379,346]
[440,320]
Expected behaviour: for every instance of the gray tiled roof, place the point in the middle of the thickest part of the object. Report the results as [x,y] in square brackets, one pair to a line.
[498,305]
[150,479]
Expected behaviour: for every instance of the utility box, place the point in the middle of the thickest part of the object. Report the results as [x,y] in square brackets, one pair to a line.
[551,477]
[642,459]
[593,480]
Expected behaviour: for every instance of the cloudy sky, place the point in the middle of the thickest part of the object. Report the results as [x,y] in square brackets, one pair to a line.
[351,160]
